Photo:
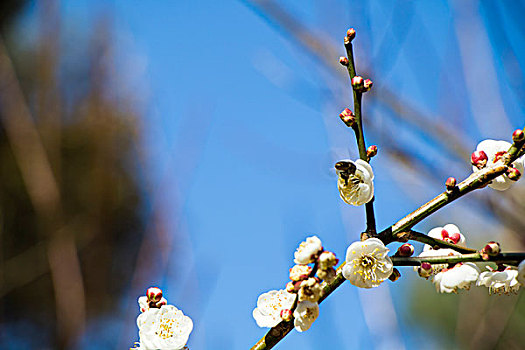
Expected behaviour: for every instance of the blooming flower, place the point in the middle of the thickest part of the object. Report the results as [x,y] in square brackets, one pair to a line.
[460,276]
[310,290]
[495,150]
[164,328]
[449,233]
[501,282]
[300,272]
[355,181]
[304,315]
[367,263]
[269,306]
[521,273]
[308,250]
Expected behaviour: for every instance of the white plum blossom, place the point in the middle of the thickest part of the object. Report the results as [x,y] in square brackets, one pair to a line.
[443,252]
[495,150]
[461,276]
[308,250]
[500,282]
[367,263]
[449,233]
[165,328]
[356,188]
[521,273]
[269,306]
[304,315]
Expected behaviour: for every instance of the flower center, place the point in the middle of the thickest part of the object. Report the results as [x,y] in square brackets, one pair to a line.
[367,261]
[165,328]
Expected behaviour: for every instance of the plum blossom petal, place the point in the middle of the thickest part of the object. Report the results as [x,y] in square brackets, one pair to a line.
[461,276]
[269,306]
[308,250]
[164,328]
[521,273]
[500,282]
[367,263]
[305,314]
[357,188]
[495,149]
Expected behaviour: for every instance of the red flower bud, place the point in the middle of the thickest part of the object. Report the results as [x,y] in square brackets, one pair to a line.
[368,84]
[154,294]
[358,83]
[347,117]
[451,183]
[406,249]
[479,159]
[371,151]
[425,270]
[518,135]
[513,174]
[286,314]
[492,249]
[343,60]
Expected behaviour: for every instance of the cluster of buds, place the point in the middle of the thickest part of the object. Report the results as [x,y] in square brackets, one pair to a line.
[348,117]
[361,85]
[491,249]
[303,282]
[350,35]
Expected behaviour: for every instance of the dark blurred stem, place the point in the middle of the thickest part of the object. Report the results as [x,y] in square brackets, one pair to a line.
[506,258]
[359,135]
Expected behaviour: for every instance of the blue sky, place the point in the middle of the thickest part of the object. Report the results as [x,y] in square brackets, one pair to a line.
[241,131]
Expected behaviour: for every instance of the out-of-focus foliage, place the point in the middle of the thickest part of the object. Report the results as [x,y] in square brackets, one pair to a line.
[88,135]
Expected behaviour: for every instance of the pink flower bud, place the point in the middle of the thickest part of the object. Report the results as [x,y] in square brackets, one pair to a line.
[450,183]
[344,61]
[406,249]
[368,84]
[286,315]
[350,33]
[518,135]
[358,83]
[395,275]
[347,117]
[513,174]
[154,294]
[492,249]
[479,159]
[371,151]
[425,270]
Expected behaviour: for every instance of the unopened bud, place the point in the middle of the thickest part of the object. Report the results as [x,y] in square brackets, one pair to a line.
[368,84]
[491,249]
[394,276]
[327,275]
[479,159]
[290,287]
[425,270]
[154,294]
[347,116]
[406,249]
[300,272]
[371,151]
[350,35]
[326,260]
[358,83]
[518,135]
[513,174]
[286,314]
[344,61]
[451,183]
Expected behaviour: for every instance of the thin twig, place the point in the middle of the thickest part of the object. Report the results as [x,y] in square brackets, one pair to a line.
[507,258]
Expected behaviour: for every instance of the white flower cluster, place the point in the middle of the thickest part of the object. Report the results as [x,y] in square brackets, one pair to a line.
[449,278]
[303,292]
[161,326]
[355,181]
[491,152]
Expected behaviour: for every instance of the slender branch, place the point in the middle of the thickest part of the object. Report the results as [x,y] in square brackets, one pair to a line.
[433,242]
[507,258]
[359,135]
